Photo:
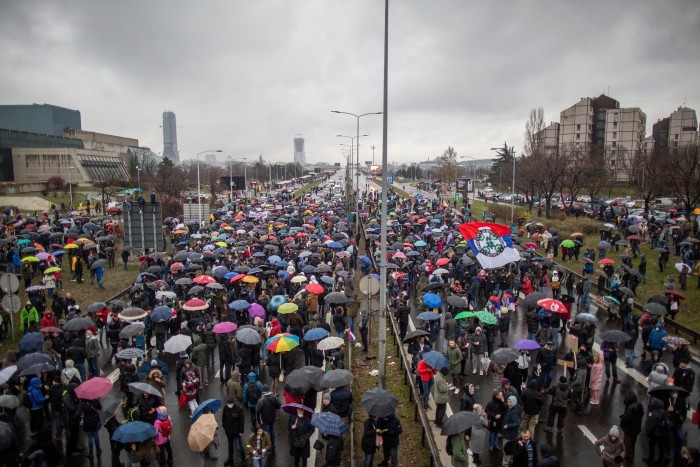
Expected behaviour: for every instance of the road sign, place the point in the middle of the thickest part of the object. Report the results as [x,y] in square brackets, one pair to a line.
[9,283]
[143,228]
[390,178]
[465,185]
[369,285]
[11,303]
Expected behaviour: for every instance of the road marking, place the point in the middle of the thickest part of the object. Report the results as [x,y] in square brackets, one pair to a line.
[114,376]
[587,433]
[631,372]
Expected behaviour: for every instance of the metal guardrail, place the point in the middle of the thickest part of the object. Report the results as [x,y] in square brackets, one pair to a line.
[414,393]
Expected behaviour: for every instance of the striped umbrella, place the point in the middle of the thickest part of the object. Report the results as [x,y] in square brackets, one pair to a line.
[283,342]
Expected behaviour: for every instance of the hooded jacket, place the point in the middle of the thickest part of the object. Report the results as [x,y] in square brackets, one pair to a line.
[547,459]
[342,399]
[35,394]
[631,419]
[611,448]
[251,380]
[232,420]
[76,352]
[656,337]
[532,399]
[511,422]
[655,418]
[658,376]
[267,407]
[560,395]
[234,387]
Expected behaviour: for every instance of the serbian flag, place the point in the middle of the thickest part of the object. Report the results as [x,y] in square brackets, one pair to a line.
[491,243]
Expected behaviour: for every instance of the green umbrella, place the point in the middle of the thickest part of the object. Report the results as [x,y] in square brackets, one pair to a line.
[465,315]
[486,317]
[568,243]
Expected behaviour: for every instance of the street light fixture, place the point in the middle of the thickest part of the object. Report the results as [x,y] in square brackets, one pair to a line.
[512,194]
[70,187]
[199,187]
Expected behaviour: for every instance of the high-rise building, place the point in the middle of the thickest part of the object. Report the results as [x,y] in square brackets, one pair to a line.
[299,154]
[170,137]
[44,119]
[678,130]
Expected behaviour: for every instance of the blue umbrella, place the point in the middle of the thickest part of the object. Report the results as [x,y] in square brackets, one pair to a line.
[146,368]
[221,273]
[364,259]
[161,314]
[274,259]
[428,316]
[328,280]
[183,243]
[315,334]
[335,245]
[432,301]
[134,432]
[586,317]
[281,264]
[230,275]
[329,423]
[435,359]
[211,404]
[239,305]
[284,275]
[276,301]
[32,342]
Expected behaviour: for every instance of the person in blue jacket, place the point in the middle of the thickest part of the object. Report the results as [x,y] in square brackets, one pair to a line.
[656,338]
[37,398]
[251,395]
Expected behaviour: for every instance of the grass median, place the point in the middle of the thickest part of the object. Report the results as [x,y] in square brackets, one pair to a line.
[307,187]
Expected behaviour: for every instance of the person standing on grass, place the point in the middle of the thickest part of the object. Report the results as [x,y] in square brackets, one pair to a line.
[389,428]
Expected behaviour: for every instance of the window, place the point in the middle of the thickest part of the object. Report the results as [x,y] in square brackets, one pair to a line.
[614,134]
[578,127]
[675,136]
[578,135]
[614,144]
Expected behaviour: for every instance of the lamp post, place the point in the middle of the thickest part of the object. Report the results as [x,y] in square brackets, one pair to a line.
[199,186]
[357,153]
[512,195]
[70,187]
[138,176]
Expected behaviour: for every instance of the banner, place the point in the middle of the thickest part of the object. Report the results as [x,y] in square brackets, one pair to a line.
[491,243]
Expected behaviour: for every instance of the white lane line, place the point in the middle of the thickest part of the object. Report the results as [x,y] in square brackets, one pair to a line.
[114,376]
[621,367]
[587,433]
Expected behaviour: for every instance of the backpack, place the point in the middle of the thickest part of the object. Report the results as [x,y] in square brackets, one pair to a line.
[448,445]
[252,392]
[27,400]
[166,427]
[664,425]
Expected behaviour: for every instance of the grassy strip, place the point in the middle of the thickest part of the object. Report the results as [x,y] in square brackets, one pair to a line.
[394,188]
[307,187]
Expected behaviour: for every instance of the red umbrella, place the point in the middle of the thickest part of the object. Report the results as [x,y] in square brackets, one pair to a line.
[606,261]
[314,289]
[195,304]
[442,261]
[177,265]
[203,280]
[675,293]
[633,237]
[51,329]
[237,278]
[552,305]
[94,388]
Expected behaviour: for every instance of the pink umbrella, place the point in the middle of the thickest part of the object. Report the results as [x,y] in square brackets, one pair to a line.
[256,311]
[94,388]
[43,256]
[225,327]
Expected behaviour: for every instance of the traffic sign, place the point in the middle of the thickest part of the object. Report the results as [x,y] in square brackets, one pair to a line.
[369,285]
[11,303]
[390,178]
[9,283]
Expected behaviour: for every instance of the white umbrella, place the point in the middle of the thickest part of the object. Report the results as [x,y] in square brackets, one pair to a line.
[440,271]
[330,343]
[681,266]
[177,344]
[299,279]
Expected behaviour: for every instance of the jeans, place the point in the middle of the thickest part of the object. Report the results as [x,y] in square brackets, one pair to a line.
[81,369]
[270,430]
[235,441]
[493,439]
[553,413]
[92,365]
[393,454]
[93,437]
[369,460]
[351,323]
[427,385]
[555,339]
[630,357]
[259,462]
[609,364]
[225,370]
[57,420]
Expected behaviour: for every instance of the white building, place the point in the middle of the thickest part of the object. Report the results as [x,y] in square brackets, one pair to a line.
[299,153]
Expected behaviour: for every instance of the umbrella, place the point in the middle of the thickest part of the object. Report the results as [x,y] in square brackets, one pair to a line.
[9,401]
[379,402]
[202,432]
[225,327]
[132,314]
[336,379]
[611,299]
[116,303]
[314,289]
[32,342]
[283,342]
[568,243]
[526,344]
[37,368]
[435,359]
[110,411]
[131,330]
[248,336]
[211,404]
[256,311]
[239,305]
[336,298]
[626,292]
[303,379]
[146,367]
[98,264]
[78,324]
[586,317]
[32,359]
[330,343]
[195,304]
[315,334]
[178,343]
[456,301]
[134,432]
[95,307]
[606,261]
[486,317]
[459,422]
[329,423]
[129,353]
[161,314]
[140,388]
[276,302]
[431,300]
[6,373]
[551,304]
[287,308]
[465,315]
[665,389]
[614,335]
[674,293]
[505,355]
[530,302]
[660,299]
[413,334]
[675,340]
[291,409]
[50,329]
[94,388]
[428,316]
[299,279]
[655,309]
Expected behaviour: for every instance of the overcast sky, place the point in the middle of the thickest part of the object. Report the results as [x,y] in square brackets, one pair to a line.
[247,76]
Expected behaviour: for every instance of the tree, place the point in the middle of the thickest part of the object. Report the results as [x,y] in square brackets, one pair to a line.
[594,175]
[653,180]
[572,182]
[502,167]
[526,175]
[684,175]
[533,126]
[550,167]
[448,165]
[55,184]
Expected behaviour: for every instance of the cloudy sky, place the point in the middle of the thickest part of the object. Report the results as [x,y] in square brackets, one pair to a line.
[247,76]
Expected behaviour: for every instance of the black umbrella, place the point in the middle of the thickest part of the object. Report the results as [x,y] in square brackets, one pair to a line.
[78,324]
[413,334]
[505,355]
[530,302]
[432,286]
[336,298]
[379,402]
[459,422]
[119,303]
[456,301]
[304,379]
[627,292]
[665,389]
[98,264]
[43,367]
[615,336]
[336,378]
[107,413]
[95,307]
[660,299]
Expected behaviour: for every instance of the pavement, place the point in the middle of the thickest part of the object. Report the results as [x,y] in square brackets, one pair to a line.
[26,203]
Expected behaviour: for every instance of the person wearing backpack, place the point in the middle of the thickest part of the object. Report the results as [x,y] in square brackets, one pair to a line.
[252,390]
[657,430]
[164,428]
[266,412]
[89,410]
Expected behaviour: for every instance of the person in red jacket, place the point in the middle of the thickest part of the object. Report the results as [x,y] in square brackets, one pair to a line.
[527,286]
[426,373]
[102,324]
[48,320]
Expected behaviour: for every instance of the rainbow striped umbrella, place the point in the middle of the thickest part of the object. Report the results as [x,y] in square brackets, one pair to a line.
[283,342]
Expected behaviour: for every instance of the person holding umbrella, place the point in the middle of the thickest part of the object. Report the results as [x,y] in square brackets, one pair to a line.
[89,411]
[369,440]
[389,428]
[300,431]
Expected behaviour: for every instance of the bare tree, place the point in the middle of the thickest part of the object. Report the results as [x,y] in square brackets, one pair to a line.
[684,175]
[448,165]
[551,168]
[534,124]
[572,181]
[526,175]
[654,174]
[594,175]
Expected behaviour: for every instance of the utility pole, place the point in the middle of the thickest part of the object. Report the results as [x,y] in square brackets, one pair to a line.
[382,264]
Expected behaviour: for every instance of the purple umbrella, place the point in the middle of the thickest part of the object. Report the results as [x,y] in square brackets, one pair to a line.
[256,311]
[291,409]
[526,344]
[225,327]
[42,255]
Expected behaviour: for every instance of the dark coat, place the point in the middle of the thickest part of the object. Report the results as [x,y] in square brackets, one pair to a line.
[232,420]
[304,430]
[334,450]
[342,399]
[633,416]
[520,456]
[369,436]
[533,400]
[391,429]
[547,459]
[90,410]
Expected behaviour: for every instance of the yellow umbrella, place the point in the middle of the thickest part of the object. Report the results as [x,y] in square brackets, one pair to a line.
[228,228]
[30,259]
[202,432]
[250,279]
[222,244]
[287,308]
[696,212]
[52,270]
[70,246]
[81,240]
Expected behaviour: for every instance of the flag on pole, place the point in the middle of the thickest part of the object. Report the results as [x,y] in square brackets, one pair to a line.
[491,243]
[351,336]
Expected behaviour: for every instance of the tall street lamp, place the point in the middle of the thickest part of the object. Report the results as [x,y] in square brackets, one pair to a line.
[199,186]
[357,152]
[70,187]
[138,176]
[512,193]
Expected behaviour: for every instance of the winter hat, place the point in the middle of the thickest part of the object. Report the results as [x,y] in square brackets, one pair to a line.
[614,431]
[154,362]
[513,401]
[444,371]
[162,412]
[562,379]
[326,397]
